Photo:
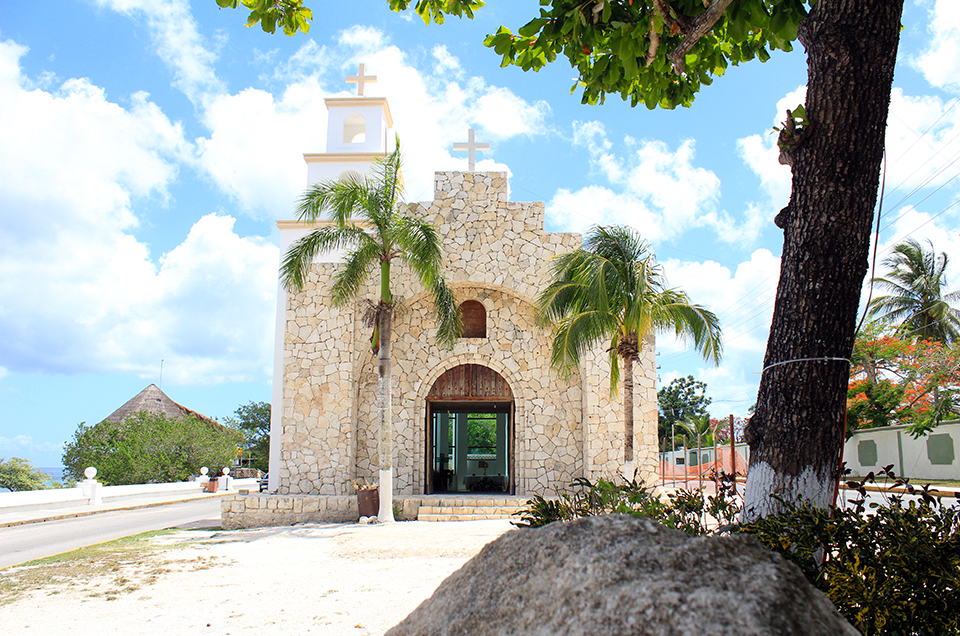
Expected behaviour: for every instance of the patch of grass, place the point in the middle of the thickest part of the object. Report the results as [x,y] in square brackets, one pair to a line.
[105,570]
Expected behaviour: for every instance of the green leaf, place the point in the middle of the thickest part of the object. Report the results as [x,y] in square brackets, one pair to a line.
[531,28]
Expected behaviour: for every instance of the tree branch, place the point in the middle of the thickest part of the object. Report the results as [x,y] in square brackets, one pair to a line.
[694,30]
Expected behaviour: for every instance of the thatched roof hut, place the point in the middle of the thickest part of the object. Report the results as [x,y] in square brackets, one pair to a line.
[153,400]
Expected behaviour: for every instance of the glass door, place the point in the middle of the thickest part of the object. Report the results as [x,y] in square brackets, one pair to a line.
[470,447]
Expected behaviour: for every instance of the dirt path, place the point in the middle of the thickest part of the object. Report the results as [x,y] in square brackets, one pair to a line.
[311,579]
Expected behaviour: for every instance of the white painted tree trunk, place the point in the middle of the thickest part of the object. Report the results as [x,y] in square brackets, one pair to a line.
[809,486]
[385,418]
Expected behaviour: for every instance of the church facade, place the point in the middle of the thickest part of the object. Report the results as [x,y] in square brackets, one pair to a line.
[489,415]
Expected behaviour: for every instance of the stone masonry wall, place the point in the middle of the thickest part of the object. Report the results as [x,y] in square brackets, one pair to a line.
[497,252]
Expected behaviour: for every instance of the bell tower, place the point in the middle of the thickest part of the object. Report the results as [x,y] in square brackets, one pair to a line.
[358,131]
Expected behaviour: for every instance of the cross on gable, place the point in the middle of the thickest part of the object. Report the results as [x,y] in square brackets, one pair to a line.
[360,79]
[471,146]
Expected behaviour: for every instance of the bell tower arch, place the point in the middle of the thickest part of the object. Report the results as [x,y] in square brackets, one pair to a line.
[358,131]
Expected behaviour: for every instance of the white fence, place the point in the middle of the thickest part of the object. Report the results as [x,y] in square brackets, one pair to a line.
[932,456]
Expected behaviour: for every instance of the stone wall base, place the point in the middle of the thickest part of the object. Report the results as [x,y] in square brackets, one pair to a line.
[260,511]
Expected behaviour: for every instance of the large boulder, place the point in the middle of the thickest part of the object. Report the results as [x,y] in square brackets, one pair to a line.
[620,575]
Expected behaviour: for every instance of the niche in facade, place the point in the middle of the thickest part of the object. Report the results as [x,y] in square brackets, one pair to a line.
[354,129]
[352,175]
[474,319]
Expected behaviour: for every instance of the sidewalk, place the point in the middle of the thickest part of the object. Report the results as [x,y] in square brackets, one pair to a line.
[16,516]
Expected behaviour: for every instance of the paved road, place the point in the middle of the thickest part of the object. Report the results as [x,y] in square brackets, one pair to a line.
[36,540]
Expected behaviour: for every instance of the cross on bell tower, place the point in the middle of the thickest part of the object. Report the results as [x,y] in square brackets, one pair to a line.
[360,79]
[471,146]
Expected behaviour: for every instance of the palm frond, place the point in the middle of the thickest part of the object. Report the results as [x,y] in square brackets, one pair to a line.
[420,247]
[447,312]
[917,303]
[353,272]
[300,255]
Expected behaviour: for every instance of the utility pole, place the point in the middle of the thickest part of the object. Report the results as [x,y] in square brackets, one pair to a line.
[733,457]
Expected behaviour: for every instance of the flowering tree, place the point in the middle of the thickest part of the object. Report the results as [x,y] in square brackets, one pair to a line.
[894,381]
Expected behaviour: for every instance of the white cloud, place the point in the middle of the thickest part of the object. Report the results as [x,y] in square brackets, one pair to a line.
[77,156]
[366,39]
[502,114]
[178,42]
[940,61]
[659,191]
[743,300]
[923,226]
[445,61]
[24,444]
[254,151]
[922,143]
[78,290]
[592,205]
[761,154]
[209,313]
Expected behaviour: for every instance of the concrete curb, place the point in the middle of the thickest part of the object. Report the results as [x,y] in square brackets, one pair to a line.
[132,506]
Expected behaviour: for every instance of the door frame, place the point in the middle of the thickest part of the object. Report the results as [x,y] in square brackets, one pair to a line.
[434,404]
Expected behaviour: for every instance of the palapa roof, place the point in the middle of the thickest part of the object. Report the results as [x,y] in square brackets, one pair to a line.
[153,400]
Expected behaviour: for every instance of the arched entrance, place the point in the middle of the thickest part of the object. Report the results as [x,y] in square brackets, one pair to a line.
[470,432]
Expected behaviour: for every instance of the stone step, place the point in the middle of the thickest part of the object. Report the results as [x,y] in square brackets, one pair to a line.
[467,510]
[460,517]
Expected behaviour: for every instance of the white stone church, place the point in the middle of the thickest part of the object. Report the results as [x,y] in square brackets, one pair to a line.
[490,415]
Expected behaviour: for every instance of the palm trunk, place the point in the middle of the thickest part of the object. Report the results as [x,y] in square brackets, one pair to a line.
[796,432]
[628,415]
[385,398]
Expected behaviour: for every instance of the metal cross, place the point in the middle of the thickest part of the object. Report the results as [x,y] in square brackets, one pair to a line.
[471,147]
[360,79]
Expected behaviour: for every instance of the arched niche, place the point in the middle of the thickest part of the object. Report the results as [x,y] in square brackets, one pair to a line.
[474,319]
[352,175]
[354,129]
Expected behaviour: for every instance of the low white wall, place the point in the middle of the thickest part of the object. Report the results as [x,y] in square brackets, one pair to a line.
[66,497]
[931,456]
[42,498]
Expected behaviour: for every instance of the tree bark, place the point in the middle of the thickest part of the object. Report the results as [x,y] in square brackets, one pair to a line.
[796,432]
[385,416]
[628,415]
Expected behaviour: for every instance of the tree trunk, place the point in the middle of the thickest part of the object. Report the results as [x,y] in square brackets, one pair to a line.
[385,415]
[796,432]
[628,416]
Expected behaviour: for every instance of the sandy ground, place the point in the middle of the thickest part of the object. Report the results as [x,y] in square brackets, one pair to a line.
[309,579]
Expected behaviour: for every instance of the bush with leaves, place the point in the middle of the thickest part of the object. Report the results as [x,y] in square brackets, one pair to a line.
[685,510]
[253,422]
[150,448]
[19,474]
[891,568]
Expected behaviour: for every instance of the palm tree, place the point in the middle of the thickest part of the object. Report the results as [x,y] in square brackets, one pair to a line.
[368,223]
[917,304]
[613,290]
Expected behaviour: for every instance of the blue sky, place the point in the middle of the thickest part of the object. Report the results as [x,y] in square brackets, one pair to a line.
[147,148]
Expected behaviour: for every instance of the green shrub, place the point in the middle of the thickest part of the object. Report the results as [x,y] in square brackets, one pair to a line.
[17,473]
[150,448]
[890,569]
[686,510]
